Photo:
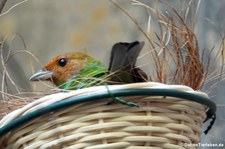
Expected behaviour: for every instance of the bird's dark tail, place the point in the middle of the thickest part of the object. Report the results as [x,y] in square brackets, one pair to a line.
[122,62]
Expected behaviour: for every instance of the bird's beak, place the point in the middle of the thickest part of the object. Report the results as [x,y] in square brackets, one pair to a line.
[41,75]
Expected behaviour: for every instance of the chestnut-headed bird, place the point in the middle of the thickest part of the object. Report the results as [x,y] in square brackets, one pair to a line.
[78,70]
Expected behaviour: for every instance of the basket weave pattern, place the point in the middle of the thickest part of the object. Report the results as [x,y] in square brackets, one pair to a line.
[159,122]
[163,123]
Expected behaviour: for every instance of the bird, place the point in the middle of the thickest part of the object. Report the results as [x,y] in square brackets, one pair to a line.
[74,71]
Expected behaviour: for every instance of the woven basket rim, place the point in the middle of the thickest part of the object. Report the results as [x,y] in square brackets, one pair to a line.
[28,113]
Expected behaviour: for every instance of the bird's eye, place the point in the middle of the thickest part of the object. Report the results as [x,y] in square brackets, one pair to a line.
[62,62]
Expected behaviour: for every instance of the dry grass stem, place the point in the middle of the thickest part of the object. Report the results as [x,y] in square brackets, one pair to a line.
[175,49]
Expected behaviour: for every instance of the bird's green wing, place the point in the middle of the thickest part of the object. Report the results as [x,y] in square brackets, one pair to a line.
[94,73]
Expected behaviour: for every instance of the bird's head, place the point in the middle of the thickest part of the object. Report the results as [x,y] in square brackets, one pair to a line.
[62,68]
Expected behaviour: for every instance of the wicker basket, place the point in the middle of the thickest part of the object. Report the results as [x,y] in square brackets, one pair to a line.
[84,119]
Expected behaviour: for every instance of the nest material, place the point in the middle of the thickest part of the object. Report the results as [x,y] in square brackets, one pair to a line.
[160,121]
[13,104]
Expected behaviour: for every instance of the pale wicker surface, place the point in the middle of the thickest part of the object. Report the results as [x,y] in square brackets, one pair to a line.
[160,122]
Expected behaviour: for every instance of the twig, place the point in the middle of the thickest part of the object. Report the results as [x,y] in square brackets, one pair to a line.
[11,8]
[2,4]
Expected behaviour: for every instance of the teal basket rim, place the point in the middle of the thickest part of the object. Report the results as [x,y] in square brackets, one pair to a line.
[210,111]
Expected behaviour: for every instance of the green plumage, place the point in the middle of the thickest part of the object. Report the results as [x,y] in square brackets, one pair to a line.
[94,73]
[121,69]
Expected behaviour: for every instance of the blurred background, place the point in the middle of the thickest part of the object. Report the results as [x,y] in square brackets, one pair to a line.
[53,27]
